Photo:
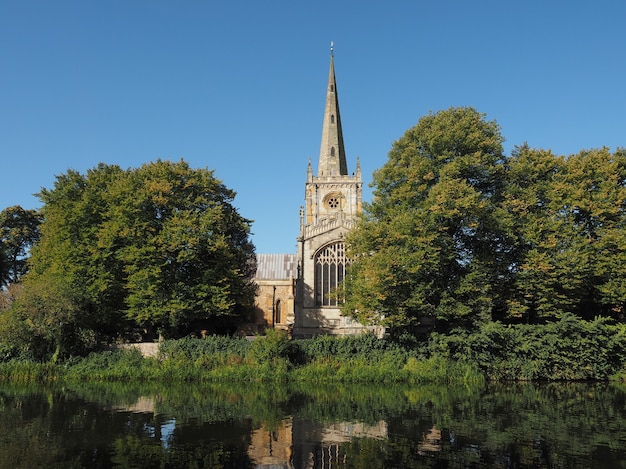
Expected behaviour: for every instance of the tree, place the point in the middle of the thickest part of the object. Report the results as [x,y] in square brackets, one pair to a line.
[433,240]
[187,257]
[19,230]
[160,247]
[460,235]
[528,200]
[569,216]
[56,328]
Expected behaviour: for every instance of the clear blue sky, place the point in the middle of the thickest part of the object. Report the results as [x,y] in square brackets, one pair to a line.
[239,86]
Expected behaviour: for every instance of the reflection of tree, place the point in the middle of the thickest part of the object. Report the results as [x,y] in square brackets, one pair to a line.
[24,443]
[55,430]
[138,453]
[555,425]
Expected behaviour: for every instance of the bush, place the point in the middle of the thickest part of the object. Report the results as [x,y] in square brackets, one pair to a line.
[346,347]
[15,338]
[274,346]
[193,349]
[568,349]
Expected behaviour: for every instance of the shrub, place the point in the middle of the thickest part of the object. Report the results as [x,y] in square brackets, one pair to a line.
[272,347]
[193,349]
[346,347]
[568,349]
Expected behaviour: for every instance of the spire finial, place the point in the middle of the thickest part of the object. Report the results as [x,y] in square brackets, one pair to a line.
[332,47]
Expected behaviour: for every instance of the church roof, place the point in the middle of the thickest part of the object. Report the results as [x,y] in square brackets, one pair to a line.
[276,266]
[332,153]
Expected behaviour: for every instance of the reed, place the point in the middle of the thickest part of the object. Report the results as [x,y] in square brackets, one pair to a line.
[24,371]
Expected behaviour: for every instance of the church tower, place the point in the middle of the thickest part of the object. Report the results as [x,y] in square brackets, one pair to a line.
[333,200]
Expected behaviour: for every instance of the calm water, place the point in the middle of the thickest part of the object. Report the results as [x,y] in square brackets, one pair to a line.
[577,425]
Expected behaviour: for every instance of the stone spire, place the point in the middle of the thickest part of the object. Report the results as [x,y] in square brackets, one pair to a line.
[332,154]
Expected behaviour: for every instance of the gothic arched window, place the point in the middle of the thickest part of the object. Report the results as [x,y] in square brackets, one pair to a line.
[330,269]
[277,313]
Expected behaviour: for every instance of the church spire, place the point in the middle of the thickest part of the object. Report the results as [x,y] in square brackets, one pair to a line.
[332,154]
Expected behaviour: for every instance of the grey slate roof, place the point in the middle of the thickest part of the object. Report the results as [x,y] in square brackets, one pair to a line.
[276,266]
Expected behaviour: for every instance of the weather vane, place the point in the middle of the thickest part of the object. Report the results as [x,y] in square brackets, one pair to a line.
[331,47]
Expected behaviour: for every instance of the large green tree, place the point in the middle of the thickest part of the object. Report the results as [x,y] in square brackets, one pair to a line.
[160,247]
[457,234]
[432,243]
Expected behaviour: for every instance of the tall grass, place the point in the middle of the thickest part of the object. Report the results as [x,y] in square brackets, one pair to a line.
[111,365]
[24,371]
[439,370]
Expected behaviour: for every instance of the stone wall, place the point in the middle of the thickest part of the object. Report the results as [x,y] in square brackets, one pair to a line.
[147,349]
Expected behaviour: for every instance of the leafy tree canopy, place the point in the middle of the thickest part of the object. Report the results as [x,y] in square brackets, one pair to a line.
[159,247]
[426,243]
[458,234]
[568,219]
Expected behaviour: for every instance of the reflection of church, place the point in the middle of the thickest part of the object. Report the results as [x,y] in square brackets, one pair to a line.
[296,290]
[297,443]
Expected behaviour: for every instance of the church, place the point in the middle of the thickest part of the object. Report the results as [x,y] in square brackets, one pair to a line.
[295,291]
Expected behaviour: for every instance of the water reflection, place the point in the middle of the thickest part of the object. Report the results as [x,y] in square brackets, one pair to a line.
[550,425]
[272,446]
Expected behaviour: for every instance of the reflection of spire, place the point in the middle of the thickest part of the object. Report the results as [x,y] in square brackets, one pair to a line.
[332,154]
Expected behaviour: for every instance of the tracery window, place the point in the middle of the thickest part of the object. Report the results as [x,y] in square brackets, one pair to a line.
[330,270]
[334,201]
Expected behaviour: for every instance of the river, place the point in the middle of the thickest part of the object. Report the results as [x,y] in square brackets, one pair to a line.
[551,425]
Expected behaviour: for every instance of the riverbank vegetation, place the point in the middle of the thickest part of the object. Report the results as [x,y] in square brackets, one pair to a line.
[570,349]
